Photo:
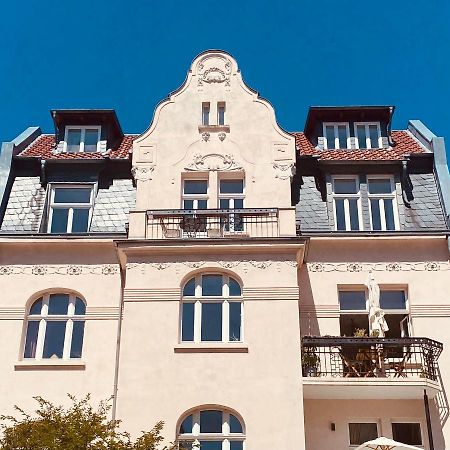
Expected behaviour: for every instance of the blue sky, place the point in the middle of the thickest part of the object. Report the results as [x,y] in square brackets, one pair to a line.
[128,55]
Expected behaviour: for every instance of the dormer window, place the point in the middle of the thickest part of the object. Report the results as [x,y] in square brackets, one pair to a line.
[368,135]
[82,139]
[336,135]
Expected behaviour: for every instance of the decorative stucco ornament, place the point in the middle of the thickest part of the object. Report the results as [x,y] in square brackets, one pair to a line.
[206,136]
[284,171]
[214,69]
[142,173]
[380,267]
[213,162]
[222,136]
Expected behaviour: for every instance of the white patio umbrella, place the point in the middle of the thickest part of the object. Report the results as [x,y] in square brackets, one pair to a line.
[383,443]
[377,322]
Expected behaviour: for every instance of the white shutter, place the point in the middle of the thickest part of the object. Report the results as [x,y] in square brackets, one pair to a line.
[102,146]
[320,142]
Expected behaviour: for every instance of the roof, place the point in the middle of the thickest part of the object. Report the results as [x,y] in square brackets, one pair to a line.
[43,147]
[405,144]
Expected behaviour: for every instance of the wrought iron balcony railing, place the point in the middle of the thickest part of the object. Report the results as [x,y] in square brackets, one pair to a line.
[370,357]
[212,223]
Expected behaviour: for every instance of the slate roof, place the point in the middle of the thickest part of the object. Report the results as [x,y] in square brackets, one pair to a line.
[43,147]
[405,144]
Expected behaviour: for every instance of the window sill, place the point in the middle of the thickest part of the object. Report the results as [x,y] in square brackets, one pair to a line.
[213,128]
[70,364]
[212,347]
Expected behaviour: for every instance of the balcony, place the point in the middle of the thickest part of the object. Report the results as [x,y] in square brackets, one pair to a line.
[213,223]
[347,367]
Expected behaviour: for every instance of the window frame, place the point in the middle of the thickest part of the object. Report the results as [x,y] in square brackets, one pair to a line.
[43,318]
[354,421]
[411,421]
[381,197]
[336,135]
[198,299]
[221,105]
[83,129]
[206,106]
[345,197]
[195,197]
[71,206]
[367,133]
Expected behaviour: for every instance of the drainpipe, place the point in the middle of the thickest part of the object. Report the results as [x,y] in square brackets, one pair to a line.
[119,334]
[427,416]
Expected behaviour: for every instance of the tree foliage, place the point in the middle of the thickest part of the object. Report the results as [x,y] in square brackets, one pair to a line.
[76,427]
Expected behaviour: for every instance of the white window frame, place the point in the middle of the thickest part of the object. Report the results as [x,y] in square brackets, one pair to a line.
[226,436]
[381,197]
[83,134]
[44,317]
[71,206]
[376,421]
[224,299]
[336,134]
[368,142]
[346,203]
[194,197]
[410,420]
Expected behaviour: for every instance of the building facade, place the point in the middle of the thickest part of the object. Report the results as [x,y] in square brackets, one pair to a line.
[219,273]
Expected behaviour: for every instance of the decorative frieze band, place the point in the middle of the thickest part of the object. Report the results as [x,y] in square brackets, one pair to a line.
[310,311]
[92,269]
[430,310]
[146,295]
[430,266]
[92,313]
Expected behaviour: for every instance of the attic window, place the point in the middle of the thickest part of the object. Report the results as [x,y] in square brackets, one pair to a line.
[336,135]
[368,135]
[82,139]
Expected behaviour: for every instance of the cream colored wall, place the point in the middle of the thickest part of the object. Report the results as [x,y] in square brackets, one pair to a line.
[27,269]
[263,384]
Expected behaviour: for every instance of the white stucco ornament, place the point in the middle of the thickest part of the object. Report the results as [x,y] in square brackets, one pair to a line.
[214,68]
[142,173]
[283,171]
[213,162]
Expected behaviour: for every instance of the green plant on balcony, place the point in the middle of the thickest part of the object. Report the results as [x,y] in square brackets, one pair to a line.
[310,361]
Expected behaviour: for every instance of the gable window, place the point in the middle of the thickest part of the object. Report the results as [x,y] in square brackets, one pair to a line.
[211,429]
[362,432]
[336,135]
[383,205]
[221,113]
[231,196]
[205,113]
[211,309]
[368,135]
[82,139]
[70,208]
[55,327]
[407,433]
[195,194]
[347,203]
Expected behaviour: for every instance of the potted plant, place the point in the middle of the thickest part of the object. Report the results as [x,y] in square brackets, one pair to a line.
[310,361]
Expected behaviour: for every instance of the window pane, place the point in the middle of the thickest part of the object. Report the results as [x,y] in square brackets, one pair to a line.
[389,214]
[189,288]
[407,433]
[54,339]
[90,140]
[221,114]
[345,186]
[380,186]
[353,208]
[392,300]
[212,285]
[376,218]
[231,186]
[236,445]
[188,204]
[352,300]
[342,131]
[58,304]
[36,308]
[238,203]
[187,322]
[59,220]
[186,425]
[202,204]
[340,214]
[373,134]
[235,321]
[31,340]
[362,432]
[210,421]
[75,195]
[211,321]
[80,307]
[80,220]
[77,339]
[205,114]
[234,287]
[195,186]
[235,425]
[73,141]
[210,445]
[224,203]
[361,135]
[329,134]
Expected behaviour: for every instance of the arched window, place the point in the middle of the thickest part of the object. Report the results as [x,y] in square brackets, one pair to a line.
[211,429]
[55,327]
[211,309]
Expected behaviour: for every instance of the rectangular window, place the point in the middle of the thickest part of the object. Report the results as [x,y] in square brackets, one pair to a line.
[352,300]
[195,194]
[407,433]
[368,135]
[362,432]
[336,135]
[70,208]
[205,113]
[221,113]
[82,139]
[382,203]
[346,199]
